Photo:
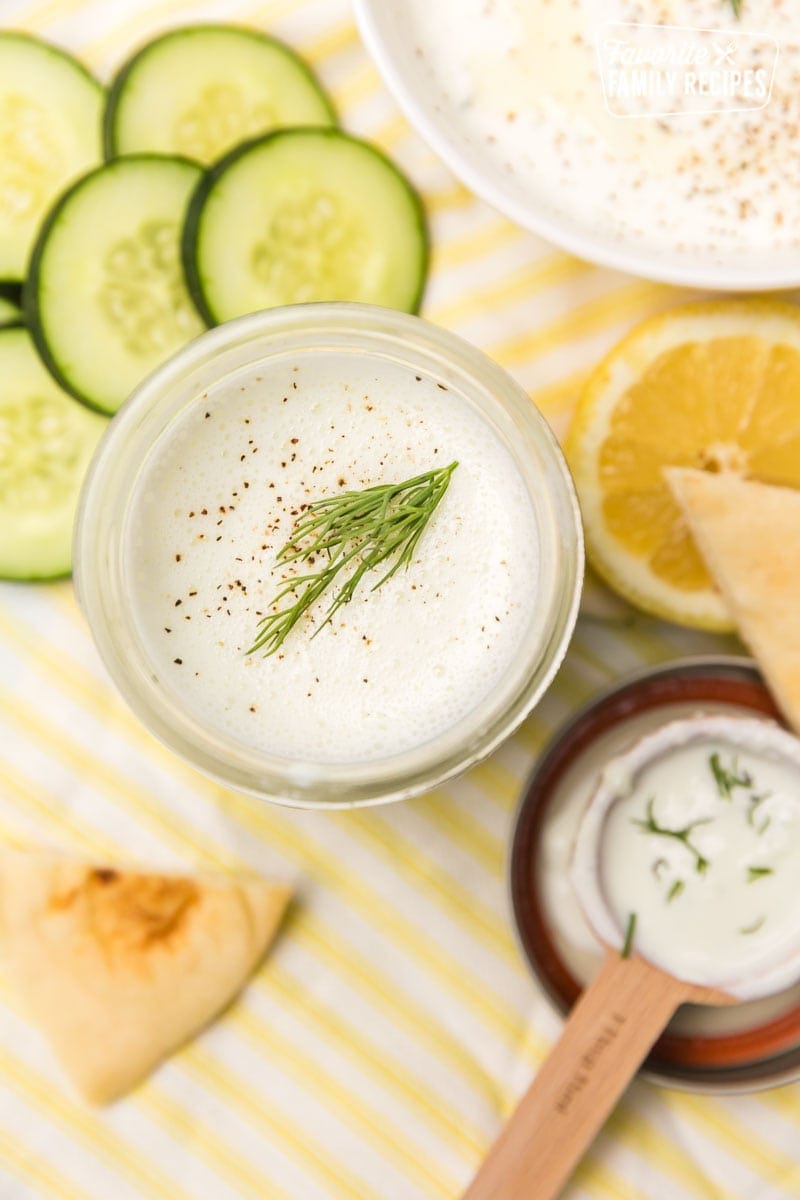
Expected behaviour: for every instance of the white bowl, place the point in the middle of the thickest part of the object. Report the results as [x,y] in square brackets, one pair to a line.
[387,33]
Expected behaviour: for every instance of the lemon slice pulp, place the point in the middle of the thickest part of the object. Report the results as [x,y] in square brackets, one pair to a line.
[714,386]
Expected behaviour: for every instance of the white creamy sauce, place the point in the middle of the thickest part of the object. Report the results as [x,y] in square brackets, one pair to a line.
[219,497]
[696,831]
[575,940]
[518,86]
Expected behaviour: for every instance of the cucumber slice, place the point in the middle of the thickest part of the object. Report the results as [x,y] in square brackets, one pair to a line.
[9,313]
[46,441]
[302,215]
[106,299]
[198,91]
[50,133]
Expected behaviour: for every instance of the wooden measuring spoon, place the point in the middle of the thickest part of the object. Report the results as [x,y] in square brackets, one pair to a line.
[604,1042]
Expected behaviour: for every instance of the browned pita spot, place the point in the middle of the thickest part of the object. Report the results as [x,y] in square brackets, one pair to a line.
[118,967]
[749,536]
[129,912]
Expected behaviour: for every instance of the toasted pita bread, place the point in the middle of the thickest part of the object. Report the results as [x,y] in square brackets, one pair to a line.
[119,967]
[749,535]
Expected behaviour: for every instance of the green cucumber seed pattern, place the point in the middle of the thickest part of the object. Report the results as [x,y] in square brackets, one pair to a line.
[30,158]
[220,117]
[40,450]
[310,249]
[143,292]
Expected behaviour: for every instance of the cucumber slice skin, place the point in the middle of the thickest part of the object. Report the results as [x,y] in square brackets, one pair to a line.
[119,86]
[13,279]
[33,287]
[194,217]
[36,537]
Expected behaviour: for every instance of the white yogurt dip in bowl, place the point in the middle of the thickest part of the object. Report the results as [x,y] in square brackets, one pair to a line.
[510,94]
[201,480]
[692,840]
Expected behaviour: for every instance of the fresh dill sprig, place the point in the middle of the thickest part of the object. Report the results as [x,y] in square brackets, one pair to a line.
[630,930]
[754,927]
[675,890]
[658,866]
[736,5]
[727,778]
[753,803]
[650,825]
[754,873]
[366,529]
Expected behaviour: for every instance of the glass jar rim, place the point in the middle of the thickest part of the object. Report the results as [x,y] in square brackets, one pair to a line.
[99,551]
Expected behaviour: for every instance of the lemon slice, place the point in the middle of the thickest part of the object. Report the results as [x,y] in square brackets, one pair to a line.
[714,386]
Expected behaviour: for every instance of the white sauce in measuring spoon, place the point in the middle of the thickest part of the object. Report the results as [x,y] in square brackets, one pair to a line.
[692,843]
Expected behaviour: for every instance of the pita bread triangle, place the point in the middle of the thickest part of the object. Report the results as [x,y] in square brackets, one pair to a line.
[119,967]
[749,535]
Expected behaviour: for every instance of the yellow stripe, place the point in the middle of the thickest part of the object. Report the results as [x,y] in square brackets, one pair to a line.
[453,197]
[500,786]
[264,11]
[606,1183]
[529,280]
[739,1141]
[393,1144]
[459,901]
[44,14]
[201,1141]
[562,394]
[269,1118]
[399,1006]
[785,1100]
[362,83]
[389,135]
[644,1139]
[31,1166]
[379,1063]
[586,654]
[457,823]
[46,807]
[466,247]
[475,993]
[332,41]
[127,36]
[94,1133]
[571,686]
[592,316]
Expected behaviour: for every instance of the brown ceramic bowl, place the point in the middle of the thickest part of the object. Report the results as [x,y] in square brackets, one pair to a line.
[745,1047]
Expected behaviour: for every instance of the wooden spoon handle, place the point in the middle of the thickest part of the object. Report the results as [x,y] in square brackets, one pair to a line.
[605,1040]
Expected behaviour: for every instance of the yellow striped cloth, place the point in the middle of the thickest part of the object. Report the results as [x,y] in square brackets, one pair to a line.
[376,1053]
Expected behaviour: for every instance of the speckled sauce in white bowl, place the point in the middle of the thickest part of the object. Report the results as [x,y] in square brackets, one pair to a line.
[509,94]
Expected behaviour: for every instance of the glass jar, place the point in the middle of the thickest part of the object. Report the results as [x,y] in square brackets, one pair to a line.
[154,410]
